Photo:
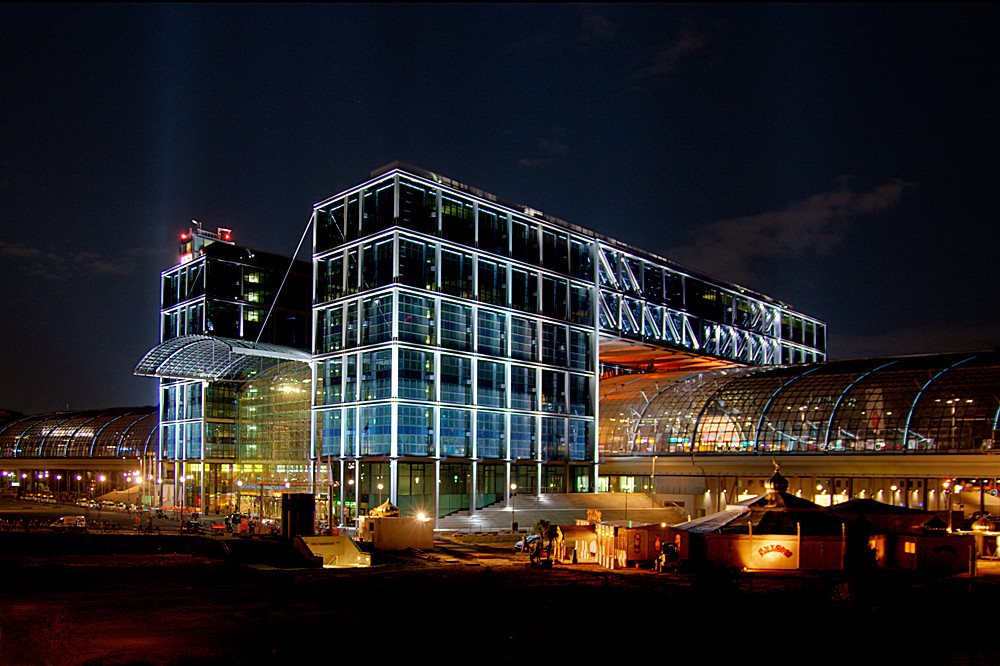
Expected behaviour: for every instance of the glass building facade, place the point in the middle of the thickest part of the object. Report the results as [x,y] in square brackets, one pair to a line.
[231,425]
[945,403]
[79,453]
[459,341]
[454,352]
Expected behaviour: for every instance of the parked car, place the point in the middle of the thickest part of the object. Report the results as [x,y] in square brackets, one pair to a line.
[526,542]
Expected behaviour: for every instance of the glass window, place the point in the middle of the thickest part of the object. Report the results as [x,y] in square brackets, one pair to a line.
[522,438]
[652,282]
[351,325]
[524,290]
[330,226]
[523,339]
[352,219]
[581,260]
[553,438]
[377,271]
[490,431]
[821,337]
[377,326]
[456,326]
[581,437]
[555,251]
[580,402]
[330,330]
[522,388]
[456,379]
[220,440]
[331,278]
[491,390]
[457,220]
[351,378]
[418,207]
[493,235]
[580,311]
[416,374]
[554,297]
[223,319]
[416,264]
[553,392]
[673,290]
[377,212]
[492,333]
[352,274]
[416,319]
[328,425]
[553,344]
[329,377]
[416,431]
[492,282]
[220,401]
[524,241]
[376,375]
[376,430]
[456,273]
[704,300]
[632,274]
[456,439]
[351,431]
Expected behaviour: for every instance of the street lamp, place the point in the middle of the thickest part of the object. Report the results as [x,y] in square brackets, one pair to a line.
[350,493]
[380,493]
[513,494]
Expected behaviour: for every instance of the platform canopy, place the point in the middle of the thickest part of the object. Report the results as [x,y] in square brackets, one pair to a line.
[213,359]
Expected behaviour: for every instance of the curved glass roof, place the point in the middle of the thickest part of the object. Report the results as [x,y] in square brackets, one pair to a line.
[211,358]
[109,433]
[939,403]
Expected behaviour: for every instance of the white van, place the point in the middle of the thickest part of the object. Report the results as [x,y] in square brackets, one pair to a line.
[70,522]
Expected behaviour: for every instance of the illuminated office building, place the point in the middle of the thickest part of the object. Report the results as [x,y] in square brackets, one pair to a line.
[460,341]
[233,368]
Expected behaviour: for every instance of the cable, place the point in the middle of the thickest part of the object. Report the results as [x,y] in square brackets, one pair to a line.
[280,286]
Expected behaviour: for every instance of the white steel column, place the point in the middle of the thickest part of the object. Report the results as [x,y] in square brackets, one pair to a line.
[437,490]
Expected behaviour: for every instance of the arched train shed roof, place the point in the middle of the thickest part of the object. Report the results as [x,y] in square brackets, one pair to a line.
[129,432]
[935,403]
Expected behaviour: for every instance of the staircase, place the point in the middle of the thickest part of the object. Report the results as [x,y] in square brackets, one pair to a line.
[563,509]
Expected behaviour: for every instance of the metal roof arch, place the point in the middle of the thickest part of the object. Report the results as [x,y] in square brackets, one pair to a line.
[210,358]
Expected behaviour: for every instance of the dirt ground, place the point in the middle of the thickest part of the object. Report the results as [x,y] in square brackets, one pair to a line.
[125,599]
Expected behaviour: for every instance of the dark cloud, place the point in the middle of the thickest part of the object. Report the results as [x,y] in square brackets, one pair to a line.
[916,339]
[61,264]
[547,151]
[596,28]
[729,248]
[666,58]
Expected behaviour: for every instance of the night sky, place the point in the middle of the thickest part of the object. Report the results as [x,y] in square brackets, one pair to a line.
[839,158]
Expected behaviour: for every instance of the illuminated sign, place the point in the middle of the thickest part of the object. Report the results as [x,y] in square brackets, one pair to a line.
[774,548]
